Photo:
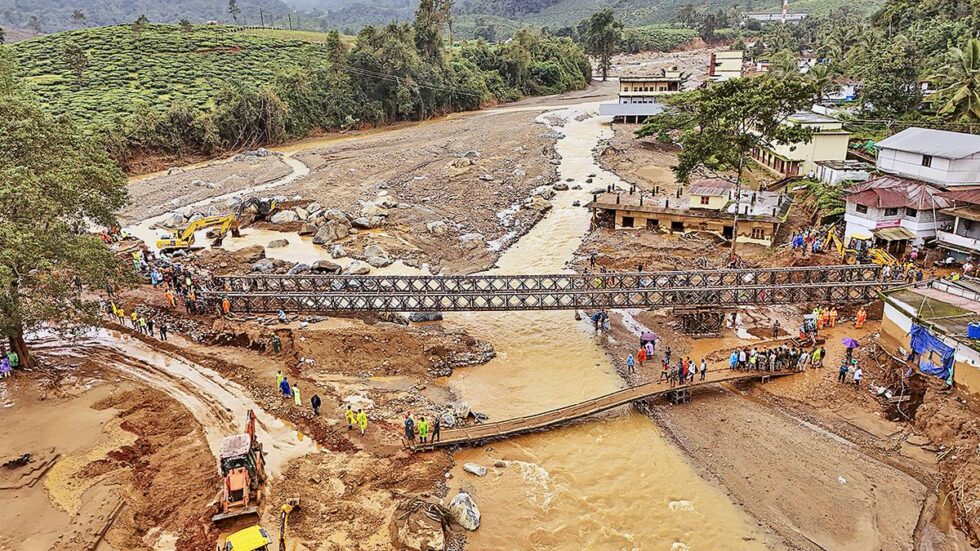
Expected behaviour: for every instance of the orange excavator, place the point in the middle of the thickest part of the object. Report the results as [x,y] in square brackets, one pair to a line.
[243,471]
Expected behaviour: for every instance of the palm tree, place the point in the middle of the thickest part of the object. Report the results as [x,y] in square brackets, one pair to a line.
[822,78]
[960,78]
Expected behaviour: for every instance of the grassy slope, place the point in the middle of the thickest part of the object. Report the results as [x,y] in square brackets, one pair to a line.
[160,67]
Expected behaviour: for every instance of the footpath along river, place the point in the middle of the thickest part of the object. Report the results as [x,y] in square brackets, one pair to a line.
[610,484]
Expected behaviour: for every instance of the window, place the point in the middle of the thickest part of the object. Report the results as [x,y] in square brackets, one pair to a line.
[705,199]
[652,224]
[627,221]
[677,226]
[862,209]
[911,213]
[891,212]
[927,160]
[758,233]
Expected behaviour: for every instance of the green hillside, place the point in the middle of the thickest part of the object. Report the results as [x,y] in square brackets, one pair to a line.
[129,72]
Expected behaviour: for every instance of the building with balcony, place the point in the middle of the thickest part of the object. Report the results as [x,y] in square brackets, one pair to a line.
[640,97]
[961,237]
[705,206]
[829,143]
[947,159]
[725,65]
[897,212]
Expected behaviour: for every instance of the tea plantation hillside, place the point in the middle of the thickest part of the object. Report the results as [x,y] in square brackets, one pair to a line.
[128,72]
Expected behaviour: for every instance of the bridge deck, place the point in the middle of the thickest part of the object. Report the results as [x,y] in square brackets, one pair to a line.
[475,434]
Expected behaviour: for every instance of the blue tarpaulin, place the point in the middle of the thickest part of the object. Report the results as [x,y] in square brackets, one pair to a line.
[935,356]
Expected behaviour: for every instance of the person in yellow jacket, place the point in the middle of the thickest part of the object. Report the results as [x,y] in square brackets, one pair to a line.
[423,430]
[134,317]
[833,317]
[296,399]
[351,417]
[361,421]
[279,378]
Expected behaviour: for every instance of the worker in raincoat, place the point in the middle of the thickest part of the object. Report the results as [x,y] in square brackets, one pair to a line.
[423,429]
[862,316]
[296,399]
[361,421]
[351,417]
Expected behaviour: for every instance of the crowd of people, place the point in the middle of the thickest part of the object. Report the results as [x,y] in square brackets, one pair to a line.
[428,432]
[776,358]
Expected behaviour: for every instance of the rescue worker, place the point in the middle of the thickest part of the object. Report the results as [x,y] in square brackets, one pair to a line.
[279,378]
[276,343]
[833,317]
[361,421]
[296,398]
[351,417]
[170,298]
[641,355]
[409,427]
[284,387]
[423,430]
[163,331]
[629,366]
[315,402]
[435,429]
[225,305]
[862,316]
[134,318]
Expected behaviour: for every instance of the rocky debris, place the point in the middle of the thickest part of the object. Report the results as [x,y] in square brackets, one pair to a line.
[302,213]
[445,361]
[414,529]
[308,229]
[298,268]
[576,203]
[472,154]
[278,243]
[577,187]
[464,511]
[371,209]
[326,267]
[419,317]
[261,152]
[393,317]
[337,251]
[560,186]
[313,208]
[358,401]
[365,223]
[331,230]
[474,469]
[379,261]
[284,217]
[545,193]
[537,203]
[175,220]
[472,240]
[437,228]
[486,177]
[264,266]
[358,268]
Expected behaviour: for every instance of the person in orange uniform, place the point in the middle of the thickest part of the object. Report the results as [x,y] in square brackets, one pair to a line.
[862,316]
[833,317]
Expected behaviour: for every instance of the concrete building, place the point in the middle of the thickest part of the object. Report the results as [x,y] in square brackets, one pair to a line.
[897,212]
[940,311]
[777,17]
[640,97]
[961,238]
[707,205]
[829,143]
[945,158]
[725,65]
[835,172]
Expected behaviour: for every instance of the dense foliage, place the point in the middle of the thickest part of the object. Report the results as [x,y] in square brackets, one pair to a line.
[53,182]
[61,15]
[656,38]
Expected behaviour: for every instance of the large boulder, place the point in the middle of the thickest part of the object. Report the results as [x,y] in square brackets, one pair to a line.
[365,223]
[358,268]
[326,267]
[538,203]
[278,243]
[370,209]
[464,511]
[298,268]
[307,229]
[416,531]
[475,469]
[249,255]
[284,217]
[471,240]
[437,228]
[175,220]
[374,250]
[337,251]
[336,215]
[379,261]
[419,317]
[313,208]
[560,186]
[264,266]
[331,231]
[302,213]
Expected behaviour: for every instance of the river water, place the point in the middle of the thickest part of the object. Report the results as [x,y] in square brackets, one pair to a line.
[615,483]
[612,484]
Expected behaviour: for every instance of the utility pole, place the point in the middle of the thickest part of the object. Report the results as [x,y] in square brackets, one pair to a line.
[262,18]
[290,15]
[785,7]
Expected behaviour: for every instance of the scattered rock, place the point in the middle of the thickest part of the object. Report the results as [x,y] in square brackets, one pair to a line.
[265,265]
[500,464]
[465,511]
[174,221]
[473,468]
[278,244]
[298,268]
[374,250]
[369,209]
[358,268]
[576,203]
[284,217]
[560,186]
[331,231]
[437,228]
[302,213]
[313,208]
[538,203]
[471,240]
[326,267]
[419,317]
[337,251]
[486,177]
[576,187]
[307,229]
[379,261]
[174,170]
[471,154]
[250,255]
[362,222]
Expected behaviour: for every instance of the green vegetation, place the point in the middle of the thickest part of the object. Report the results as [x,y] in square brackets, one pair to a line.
[656,38]
[827,199]
[170,89]
[602,35]
[54,182]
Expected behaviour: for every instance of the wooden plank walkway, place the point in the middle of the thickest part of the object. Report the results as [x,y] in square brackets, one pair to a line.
[475,434]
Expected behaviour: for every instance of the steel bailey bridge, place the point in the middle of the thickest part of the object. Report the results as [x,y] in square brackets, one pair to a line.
[693,288]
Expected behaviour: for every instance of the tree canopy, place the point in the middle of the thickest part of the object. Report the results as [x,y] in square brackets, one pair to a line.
[602,35]
[54,183]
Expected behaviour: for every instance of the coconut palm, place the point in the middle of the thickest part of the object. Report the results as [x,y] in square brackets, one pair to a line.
[960,81]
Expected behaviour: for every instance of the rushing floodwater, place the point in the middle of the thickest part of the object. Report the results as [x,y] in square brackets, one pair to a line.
[612,484]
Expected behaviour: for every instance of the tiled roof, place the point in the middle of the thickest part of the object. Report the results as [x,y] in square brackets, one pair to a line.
[712,187]
[893,192]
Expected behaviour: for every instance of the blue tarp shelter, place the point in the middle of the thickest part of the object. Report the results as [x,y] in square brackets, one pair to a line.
[934,356]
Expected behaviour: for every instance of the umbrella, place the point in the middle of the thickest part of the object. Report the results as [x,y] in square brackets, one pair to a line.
[848,342]
[648,336]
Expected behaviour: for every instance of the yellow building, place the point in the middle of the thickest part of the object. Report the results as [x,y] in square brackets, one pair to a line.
[829,143]
[725,65]
[640,96]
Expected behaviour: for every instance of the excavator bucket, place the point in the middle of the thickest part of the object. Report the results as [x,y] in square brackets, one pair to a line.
[235,513]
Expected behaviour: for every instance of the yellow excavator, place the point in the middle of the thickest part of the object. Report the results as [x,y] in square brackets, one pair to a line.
[255,538]
[860,251]
[183,239]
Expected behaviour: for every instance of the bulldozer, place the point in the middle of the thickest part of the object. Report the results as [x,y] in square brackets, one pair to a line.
[184,239]
[860,250]
[255,538]
[243,472]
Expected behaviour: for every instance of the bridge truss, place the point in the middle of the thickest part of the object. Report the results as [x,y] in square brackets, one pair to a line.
[695,288]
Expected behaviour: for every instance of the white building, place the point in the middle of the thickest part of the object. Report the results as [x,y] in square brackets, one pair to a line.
[945,158]
[640,97]
[835,172]
[896,211]
[725,65]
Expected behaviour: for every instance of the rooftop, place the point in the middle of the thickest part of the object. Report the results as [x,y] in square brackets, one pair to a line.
[889,191]
[762,206]
[712,187]
[846,165]
[947,306]
[968,195]
[653,78]
[937,143]
[809,117]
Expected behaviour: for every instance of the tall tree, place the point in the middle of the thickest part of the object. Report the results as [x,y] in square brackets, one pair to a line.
[35,24]
[139,26]
[603,33]
[891,85]
[719,127]
[234,10]
[185,26]
[3,35]
[54,183]
[76,60]
[78,18]
[960,80]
